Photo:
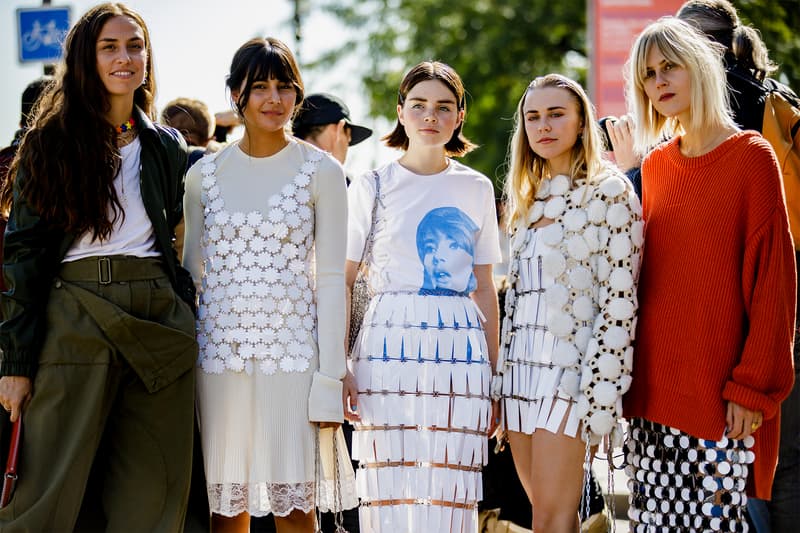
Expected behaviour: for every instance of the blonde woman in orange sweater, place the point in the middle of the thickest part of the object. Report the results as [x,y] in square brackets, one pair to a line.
[716,291]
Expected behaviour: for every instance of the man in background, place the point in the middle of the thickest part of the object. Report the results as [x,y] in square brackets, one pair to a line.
[324,121]
[195,122]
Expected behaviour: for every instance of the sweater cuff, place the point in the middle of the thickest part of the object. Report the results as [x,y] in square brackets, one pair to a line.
[750,399]
[17,368]
[325,399]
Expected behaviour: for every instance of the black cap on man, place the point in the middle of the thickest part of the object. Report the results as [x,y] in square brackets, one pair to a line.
[321,109]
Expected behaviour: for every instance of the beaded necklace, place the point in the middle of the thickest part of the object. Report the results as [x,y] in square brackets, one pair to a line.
[127,125]
[126,132]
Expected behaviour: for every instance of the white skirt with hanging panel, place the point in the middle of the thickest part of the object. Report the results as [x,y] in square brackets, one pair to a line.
[422,369]
[532,398]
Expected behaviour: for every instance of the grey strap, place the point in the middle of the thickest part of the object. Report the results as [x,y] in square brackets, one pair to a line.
[366,255]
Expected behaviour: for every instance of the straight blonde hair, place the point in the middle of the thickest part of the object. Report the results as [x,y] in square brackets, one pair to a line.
[683,45]
[527,170]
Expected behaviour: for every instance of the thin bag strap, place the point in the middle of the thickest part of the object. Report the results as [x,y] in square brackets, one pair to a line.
[366,255]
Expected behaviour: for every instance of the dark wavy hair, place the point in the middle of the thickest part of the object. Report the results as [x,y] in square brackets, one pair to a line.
[720,21]
[458,144]
[69,157]
[262,59]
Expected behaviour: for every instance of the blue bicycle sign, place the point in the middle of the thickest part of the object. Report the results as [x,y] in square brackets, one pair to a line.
[42,32]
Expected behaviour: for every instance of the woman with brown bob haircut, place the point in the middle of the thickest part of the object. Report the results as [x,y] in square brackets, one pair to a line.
[458,145]
[422,357]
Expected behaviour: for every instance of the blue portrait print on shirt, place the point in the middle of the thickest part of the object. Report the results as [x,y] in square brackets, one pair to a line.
[446,247]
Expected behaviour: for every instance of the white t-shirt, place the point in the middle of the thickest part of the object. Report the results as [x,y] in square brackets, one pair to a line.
[132,235]
[430,232]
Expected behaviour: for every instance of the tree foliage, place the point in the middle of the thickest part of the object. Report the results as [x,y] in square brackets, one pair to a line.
[779,24]
[498,46]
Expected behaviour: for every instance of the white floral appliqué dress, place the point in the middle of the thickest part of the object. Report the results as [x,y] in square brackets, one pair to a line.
[257,331]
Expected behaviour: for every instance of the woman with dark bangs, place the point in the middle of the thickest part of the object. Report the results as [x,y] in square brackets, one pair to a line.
[265,239]
[422,357]
[98,341]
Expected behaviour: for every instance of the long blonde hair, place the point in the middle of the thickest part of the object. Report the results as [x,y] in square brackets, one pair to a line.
[526,169]
[683,45]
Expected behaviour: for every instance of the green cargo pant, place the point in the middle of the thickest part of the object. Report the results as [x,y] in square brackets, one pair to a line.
[115,384]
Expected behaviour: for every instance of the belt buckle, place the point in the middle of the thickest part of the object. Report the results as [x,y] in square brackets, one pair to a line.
[104,271]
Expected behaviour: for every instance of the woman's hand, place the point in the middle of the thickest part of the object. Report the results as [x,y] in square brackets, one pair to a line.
[350,397]
[15,393]
[741,421]
[326,425]
[620,132]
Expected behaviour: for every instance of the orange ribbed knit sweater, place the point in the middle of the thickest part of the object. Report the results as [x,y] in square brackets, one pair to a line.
[716,294]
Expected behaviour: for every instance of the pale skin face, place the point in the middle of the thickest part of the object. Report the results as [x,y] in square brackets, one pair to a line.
[121,60]
[668,86]
[443,258]
[552,125]
[429,114]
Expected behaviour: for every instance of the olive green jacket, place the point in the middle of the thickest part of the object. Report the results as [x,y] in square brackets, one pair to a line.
[34,250]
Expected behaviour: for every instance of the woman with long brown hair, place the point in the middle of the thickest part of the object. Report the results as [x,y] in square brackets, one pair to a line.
[98,338]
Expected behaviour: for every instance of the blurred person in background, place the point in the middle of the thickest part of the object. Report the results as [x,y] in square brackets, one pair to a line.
[324,121]
[192,118]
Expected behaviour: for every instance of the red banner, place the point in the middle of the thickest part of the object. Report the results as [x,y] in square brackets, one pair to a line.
[613,27]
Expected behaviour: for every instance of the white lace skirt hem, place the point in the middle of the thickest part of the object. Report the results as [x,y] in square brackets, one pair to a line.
[280,499]
[260,499]
[261,454]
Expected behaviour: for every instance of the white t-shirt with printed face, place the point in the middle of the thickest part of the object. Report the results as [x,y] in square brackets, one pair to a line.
[431,230]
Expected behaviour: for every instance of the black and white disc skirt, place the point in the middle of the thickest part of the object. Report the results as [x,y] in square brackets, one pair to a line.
[683,483]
